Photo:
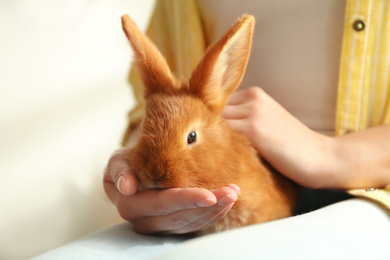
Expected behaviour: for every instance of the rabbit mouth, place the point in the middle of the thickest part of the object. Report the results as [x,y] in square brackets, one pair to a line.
[151,184]
[148,186]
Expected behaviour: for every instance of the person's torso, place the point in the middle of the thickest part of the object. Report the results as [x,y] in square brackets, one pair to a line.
[295,52]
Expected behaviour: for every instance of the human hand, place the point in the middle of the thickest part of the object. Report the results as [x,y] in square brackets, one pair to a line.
[356,160]
[168,211]
[287,144]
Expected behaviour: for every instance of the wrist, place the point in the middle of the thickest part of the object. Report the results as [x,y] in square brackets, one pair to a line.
[330,163]
[360,159]
[320,166]
[338,164]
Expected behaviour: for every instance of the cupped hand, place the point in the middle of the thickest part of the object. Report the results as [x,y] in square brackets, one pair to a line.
[167,211]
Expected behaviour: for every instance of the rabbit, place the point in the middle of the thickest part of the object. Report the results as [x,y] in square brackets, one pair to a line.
[184,142]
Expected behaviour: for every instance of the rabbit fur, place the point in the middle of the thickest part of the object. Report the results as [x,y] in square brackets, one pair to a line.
[163,156]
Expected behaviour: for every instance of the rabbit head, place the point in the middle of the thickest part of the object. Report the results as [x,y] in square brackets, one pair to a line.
[183,141]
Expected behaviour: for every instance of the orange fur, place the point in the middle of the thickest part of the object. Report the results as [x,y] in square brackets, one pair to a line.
[163,159]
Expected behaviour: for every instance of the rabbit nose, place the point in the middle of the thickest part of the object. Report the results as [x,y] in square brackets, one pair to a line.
[157,174]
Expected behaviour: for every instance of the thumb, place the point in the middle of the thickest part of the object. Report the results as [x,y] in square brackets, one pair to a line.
[118,172]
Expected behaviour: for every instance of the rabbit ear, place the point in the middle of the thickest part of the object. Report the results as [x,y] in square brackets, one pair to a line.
[221,70]
[152,66]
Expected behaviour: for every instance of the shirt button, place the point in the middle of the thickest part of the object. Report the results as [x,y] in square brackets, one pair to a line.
[358,25]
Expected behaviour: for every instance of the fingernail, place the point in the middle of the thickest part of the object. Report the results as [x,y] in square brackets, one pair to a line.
[237,189]
[119,184]
[228,199]
[205,203]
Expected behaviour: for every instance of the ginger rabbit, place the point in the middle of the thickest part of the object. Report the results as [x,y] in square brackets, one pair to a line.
[184,142]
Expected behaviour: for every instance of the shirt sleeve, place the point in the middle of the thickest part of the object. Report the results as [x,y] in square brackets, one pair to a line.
[381,196]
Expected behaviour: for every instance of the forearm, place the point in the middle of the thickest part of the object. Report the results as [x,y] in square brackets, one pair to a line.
[358,160]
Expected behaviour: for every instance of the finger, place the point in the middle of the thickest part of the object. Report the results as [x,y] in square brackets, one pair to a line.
[237,98]
[234,187]
[176,222]
[118,171]
[112,192]
[240,111]
[188,220]
[217,218]
[243,95]
[240,125]
[205,221]
[117,165]
[226,195]
[162,202]
[226,200]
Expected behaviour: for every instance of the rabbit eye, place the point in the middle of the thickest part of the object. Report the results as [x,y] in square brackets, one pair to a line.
[191,138]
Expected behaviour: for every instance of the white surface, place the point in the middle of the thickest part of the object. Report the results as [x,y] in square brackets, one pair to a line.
[116,242]
[353,229]
[63,105]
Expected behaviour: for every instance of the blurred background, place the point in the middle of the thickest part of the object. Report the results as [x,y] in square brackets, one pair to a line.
[64,98]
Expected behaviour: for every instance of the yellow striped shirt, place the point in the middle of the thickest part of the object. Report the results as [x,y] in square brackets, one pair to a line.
[364,85]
